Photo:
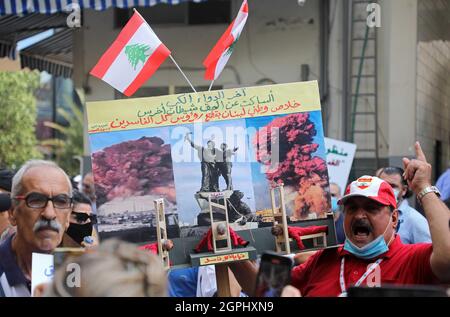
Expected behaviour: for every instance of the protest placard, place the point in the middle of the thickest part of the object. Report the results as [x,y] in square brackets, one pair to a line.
[42,270]
[340,157]
[183,147]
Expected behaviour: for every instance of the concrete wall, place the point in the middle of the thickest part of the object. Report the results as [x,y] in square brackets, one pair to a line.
[397,79]
[433,78]
[336,109]
[276,41]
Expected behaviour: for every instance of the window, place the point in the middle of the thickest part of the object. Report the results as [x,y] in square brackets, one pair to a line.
[191,13]
[210,12]
[438,154]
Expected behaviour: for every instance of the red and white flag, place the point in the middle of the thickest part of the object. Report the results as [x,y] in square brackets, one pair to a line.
[221,52]
[133,57]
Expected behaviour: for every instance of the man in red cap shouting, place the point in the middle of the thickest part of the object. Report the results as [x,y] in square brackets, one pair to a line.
[373,254]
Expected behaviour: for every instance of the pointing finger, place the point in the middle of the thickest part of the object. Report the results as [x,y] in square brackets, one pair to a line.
[419,153]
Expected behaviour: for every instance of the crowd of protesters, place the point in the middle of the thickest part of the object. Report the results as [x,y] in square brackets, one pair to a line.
[375,224]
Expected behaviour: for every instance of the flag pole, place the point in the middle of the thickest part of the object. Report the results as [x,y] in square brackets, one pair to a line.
[171,57]
[210,86]
[173,60]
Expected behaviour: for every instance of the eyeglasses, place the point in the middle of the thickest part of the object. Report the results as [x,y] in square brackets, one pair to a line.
[82,217]
[38,200]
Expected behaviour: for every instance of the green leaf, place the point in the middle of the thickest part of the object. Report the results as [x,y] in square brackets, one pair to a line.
[18,118]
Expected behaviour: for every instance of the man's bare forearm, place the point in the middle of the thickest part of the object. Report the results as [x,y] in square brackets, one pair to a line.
[438,216]
[418,175]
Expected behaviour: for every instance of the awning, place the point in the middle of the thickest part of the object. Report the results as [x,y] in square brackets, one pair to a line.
[53,6]
[14,29]
[53,55]
[20,19]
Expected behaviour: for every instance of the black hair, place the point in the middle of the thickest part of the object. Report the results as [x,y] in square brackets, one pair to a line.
[6,177]
[80,198]
[395,170]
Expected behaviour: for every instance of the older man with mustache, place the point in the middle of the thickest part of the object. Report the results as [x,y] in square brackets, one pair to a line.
[42,200]
[373,254]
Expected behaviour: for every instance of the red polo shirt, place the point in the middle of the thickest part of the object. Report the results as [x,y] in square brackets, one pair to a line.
[403,264]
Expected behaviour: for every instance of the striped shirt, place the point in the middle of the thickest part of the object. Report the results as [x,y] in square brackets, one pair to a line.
[12,280]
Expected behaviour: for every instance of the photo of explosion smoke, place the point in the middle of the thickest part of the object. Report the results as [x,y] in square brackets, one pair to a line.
[302,172]
[128,176]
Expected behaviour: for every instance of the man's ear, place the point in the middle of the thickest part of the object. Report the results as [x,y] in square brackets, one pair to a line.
[395,218]
[12,216]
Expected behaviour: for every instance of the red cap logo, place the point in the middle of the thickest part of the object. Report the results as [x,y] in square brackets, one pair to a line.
[363,182]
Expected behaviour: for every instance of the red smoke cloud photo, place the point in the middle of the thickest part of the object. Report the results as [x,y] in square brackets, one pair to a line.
[134,168]
[298,168]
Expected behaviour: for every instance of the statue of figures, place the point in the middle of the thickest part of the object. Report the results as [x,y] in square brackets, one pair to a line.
[207,156]
[224,165]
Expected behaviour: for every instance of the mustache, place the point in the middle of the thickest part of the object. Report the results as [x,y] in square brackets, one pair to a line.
[361,225]
[42,224]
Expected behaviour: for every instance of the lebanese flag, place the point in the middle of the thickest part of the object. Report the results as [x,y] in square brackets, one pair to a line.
[133,57]
[221,52]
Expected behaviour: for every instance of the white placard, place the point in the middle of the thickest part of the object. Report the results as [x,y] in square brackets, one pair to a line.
[42,269]
[340,157]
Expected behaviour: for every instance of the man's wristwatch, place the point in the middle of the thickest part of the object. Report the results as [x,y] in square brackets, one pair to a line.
[427,190]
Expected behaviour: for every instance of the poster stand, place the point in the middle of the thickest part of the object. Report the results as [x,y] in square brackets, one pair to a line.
[161,231]
[221,262]
[222,280]
[280,218]
[220,229]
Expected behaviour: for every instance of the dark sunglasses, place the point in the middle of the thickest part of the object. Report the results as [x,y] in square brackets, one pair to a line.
[81,217]
[38,200]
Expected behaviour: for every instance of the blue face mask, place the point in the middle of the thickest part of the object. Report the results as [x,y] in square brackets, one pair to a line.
[334,204]
[370,250]
[396,192]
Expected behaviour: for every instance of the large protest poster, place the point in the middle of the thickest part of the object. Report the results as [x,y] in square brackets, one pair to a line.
[180,147]
[340,157]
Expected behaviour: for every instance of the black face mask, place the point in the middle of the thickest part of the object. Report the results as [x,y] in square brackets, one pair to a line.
[77,232]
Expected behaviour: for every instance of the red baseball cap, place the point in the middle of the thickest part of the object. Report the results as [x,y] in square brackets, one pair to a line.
[371,187]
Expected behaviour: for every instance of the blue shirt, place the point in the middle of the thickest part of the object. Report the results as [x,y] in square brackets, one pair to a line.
[12,280]
[412,226]
[443,184]
[183,282]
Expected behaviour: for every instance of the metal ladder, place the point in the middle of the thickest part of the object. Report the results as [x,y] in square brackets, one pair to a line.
[361,88]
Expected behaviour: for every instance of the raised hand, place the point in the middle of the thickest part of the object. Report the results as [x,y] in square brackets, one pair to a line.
[417,171]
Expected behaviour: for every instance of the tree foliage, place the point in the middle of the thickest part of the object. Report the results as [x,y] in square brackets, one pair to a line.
[18,115]
[69,143]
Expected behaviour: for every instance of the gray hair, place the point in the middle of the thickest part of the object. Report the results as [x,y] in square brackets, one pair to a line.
[116,269]
[17,186]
